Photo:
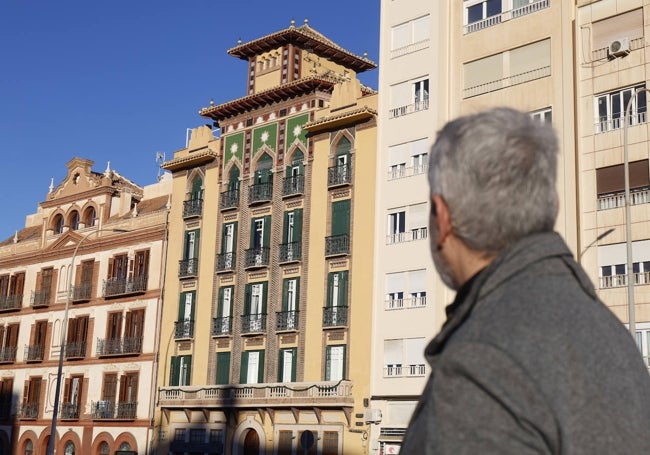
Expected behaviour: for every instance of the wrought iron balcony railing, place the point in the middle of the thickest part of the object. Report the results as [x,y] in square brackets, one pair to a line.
[229,199]
[28,410]
[34,353]
[183,329]
[260,192]
[119,346]
[335,316]
[253,323]
[339,175]
[226,261]
[41,298]
[82,292]
[69,411]
[293,185]
[193,207]
[188,267]
[108,410]
[75,350]
[8,354]
[290,252]
[337,244]
[257,257]
[286,320]
[221,326]
[11,302]
[125,286]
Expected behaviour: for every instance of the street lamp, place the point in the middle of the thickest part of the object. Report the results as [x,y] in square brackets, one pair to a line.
[600,237]
[64,327]
[628,215]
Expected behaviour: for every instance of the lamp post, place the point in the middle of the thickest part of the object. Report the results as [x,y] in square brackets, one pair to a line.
[64,327]
[628,215]
[600,237]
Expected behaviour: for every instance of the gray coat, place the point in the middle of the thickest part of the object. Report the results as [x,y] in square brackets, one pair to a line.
[531,362]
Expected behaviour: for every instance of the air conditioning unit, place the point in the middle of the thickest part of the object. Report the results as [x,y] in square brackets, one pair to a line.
[372,415]
[619,47]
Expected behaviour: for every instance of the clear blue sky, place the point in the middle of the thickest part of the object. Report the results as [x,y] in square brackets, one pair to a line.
[119,81]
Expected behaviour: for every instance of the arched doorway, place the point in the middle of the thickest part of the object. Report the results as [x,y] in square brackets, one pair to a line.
[251,443]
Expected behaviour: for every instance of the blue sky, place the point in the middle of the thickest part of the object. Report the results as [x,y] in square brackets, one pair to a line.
[120,81]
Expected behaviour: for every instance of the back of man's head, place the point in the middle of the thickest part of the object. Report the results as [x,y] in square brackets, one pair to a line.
[496,171]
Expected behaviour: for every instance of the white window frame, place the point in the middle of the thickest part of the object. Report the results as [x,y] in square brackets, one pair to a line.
[616,100]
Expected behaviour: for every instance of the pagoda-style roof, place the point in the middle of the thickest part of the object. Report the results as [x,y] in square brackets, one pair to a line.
[273,95]
[308,39]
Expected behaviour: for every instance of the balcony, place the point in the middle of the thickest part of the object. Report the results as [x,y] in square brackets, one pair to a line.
[286,321]
[34,353]
[8,354]
[335,316]
[183,330]
[612,201]
[188,267]
[116,287]
[260,192]
[119,346]
[506,16]
[611,123]
[229,199]
[226,262]
[293,185]
[11,302]
[221,326]
[290,252]
[410,302]
[271,395]
[107,410]
[82,292]
[399,371]
[253,323]
[409,108]
[75,350]
[337,244]
[257,257]
[407,236]
[41,298]
[69,411]
[339,175]
[192,208]
[28,411]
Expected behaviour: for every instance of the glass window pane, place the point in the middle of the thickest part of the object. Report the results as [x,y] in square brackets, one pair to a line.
[475,13]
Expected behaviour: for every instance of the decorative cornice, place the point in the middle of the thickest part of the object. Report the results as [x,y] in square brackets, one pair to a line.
[332,121]
[194,159]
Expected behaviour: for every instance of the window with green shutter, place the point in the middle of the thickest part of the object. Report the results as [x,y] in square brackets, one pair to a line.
[197,188]
[341,217]
[252,367]
[191,248]
[335,363]
[287,365]
[337,289]
[229,237]
[223,368]
[181,370]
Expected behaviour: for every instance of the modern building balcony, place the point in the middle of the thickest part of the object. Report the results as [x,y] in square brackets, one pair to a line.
[226,262]
[75,350]
[290,252]
[108,410]
[69,411]
[82,292]
[638,196]
[336,245]
[11,302]
[253,323]
[504,16]
[183,330]
[260,193]
[293,186]
[286,321]
[118,287]
[188,267]
[28,411]
[269,395]
[34,353]
[401,371]
[257,257]
[229,199]
[407,109]
[221,326]
[192,208]
[339,175]
[617,121]
[335,316]
[8,354]
[407,236]
[41,298]
[119,346]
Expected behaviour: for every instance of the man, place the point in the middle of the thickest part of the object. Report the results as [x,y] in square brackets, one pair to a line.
[529,360]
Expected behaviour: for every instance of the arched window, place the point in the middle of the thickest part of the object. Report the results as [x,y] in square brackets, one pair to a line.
[233,179]
[74,220]
[90,217]
[29,447]
[125,446]
[69,448]
[104,449]
[263,169]
[57,224]
[197,189]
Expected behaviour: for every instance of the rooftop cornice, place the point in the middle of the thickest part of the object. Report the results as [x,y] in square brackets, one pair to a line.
[193,159]
[350,116]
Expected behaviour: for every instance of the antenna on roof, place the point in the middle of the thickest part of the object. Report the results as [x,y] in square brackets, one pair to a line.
[160,159]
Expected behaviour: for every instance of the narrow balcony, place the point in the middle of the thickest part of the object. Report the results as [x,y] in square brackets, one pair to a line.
[192,208]
[271,395]
[260,193]
[293,185]
[257,257]
[69,411]
[82,292]
[401,371]
[286,321]
[335,316]
[253,323]
[183,330]
[290,252]
[119,346]
[28,411]
[8,354]
[41,298]
[11,302]
[226,262]
[75,350]
[336,245]
[118,287]
[34,353]
[221,326]
[229,199]
[407,109]
[339,175]
[108,410]
[188,267]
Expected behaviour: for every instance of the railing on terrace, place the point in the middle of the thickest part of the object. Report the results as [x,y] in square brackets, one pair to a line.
[617,281]
[257,257]
[229,199]
[335,316]
[612,201]
[123,286]
[28,411]
[270,394]
[184,329]
[337,244]
[603,52]
[286,320]
[409,108]
[407,236]
[507,82]
[290,251]
[408,302]
[222,326]
[293,185]
[34,353]
[108,410]
[253,323]
[409,48]
[69,411]
[260,192]
[339,175]
[119,346]
[188,267]
[193,207]
[506,16]
[41,298]
[8,354]
[226,261]
[398,370]
[75,350]
[11,302]
[403,172]
[605,124]
[82,292]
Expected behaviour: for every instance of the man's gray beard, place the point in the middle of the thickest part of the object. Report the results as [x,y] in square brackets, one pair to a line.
[444,270]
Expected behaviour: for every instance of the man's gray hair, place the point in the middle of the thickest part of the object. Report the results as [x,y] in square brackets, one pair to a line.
[496,171]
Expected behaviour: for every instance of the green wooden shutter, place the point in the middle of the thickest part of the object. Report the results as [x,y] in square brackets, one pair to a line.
[252,244]
[196,188]
[341,217]
[234,236]
[285,294]
[297,225]
[174,371]
[188,370]
[343,288]
[285,228]
[223,368]
[330,288]
[193,293]
[294,363]
[181,307]
[260,369]
[267,231]
[280,364]
[247,299]
[220,303]
[243,371]
[223,238]
[264,296]
[297,291]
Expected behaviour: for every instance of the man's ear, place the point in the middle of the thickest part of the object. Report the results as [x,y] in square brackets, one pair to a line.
[442,218]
